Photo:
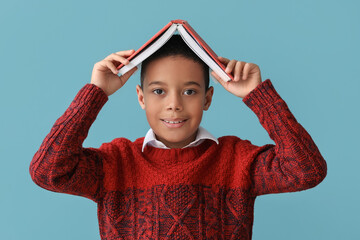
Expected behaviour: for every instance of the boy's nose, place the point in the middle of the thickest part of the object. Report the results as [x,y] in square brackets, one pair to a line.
[174,103]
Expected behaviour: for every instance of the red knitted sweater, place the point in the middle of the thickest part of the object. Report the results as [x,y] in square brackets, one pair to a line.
[202,192]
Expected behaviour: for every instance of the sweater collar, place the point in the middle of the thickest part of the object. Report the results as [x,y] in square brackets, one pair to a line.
[202,134]
[173,158]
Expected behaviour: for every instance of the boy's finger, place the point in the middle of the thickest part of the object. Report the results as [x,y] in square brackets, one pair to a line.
[111,66]
[130,72]
[217,78]
[126,52]
[118,58]
[239,69]
[230,66]
[214,77]
[223,59]
[127,75]
[237,72]
[121,53]
[246,71]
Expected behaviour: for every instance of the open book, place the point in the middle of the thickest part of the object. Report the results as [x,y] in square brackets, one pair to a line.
[192,39]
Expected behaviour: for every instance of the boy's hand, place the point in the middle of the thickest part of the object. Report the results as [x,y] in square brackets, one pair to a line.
[105,74]
[246,77]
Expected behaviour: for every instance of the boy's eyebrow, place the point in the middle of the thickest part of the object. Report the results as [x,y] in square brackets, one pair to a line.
[163,83]
[156,82]
[192,83]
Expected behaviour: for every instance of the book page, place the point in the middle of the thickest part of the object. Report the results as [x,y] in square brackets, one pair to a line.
[201,52]
[150,49]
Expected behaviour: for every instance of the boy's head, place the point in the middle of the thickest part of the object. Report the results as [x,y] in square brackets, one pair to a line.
[175,46]
[174,92]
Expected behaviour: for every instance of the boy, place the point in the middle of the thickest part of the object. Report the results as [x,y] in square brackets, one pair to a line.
[179,181]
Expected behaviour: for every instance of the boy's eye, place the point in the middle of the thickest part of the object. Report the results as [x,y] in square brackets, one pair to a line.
[158,91]
[189,92]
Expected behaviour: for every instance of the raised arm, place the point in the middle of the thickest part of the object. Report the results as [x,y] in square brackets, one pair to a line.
[294,163]
[61,164]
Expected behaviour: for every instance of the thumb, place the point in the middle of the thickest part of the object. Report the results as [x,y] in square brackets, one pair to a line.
[128,74]
[218,79]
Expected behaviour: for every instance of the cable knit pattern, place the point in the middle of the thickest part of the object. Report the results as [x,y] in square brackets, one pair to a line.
[202,192]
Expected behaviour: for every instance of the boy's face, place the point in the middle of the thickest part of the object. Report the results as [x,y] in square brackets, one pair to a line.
[174,97]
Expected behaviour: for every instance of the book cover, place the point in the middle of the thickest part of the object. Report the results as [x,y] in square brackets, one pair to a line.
[158,38]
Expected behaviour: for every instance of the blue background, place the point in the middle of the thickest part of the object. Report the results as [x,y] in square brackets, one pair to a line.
[309,49]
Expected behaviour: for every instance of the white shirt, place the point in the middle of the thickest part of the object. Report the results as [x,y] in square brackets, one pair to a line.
[202,134]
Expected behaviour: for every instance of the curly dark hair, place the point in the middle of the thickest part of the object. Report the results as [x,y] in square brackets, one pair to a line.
[175,46]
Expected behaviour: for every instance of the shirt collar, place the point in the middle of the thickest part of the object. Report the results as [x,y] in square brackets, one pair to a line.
[202,134]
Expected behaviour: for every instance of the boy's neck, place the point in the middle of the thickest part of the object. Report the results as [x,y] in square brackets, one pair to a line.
[178,144]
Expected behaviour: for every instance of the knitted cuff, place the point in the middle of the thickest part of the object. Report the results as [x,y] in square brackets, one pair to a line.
[90,94]
[262,96]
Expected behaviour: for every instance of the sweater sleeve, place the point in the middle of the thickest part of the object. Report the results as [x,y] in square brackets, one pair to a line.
[61,164]
[294,163]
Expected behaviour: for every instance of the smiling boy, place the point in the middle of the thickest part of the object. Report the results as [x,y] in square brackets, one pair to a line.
[179,181]
[174,96]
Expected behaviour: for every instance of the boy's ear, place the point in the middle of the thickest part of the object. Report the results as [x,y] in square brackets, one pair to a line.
[140,94]
[208,97]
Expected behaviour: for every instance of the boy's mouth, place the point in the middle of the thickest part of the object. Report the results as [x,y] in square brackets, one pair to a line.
[174,123]
[177,121]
